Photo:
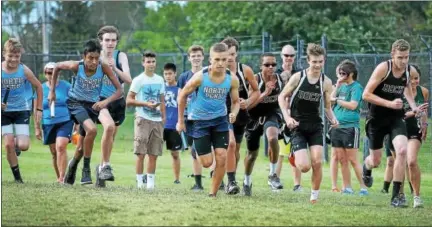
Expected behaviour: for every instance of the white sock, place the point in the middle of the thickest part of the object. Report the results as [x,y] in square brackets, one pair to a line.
[139,177]
[248,180]
[314,194]
[105,164]
[150,180]
[272,168]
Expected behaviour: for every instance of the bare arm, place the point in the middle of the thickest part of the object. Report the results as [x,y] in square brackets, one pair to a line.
[377,76]
[190,87]
[64,65]
[162,108]
[353,103]
[327,103]
[125,74]
[254,93]
[285,95]
[235,102]
[110,74]
[38,106]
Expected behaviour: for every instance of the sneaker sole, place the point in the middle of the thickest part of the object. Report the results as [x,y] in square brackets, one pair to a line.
[235,191]
[273,188]
[86,182]
[99,183]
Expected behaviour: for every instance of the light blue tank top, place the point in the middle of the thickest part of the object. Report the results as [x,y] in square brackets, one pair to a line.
[87,88]
[210,101]
[108,87]
[61,110]
[20,90]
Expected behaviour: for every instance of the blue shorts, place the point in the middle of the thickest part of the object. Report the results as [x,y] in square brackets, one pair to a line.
[81,111]
[52,131]
[201,128]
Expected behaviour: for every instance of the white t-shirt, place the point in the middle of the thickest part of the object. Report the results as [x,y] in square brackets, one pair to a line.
[148,89]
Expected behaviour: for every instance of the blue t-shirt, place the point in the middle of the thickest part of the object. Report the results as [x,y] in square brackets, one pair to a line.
[61,110]
[148,89]
[349,92]
[210,101]
[87,88]
[20,90]
[171,108]
[183,79]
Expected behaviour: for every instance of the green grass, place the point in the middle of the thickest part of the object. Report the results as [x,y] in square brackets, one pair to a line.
[40,201]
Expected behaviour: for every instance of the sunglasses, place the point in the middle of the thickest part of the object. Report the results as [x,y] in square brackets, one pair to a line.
[289,55]
[48,73]
[268,65]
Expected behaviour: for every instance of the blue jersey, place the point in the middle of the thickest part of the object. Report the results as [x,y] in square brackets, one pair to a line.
[210,101]
[20,90]
[108,87]
[87,88]
[61,110]
[183,79]
[171,108]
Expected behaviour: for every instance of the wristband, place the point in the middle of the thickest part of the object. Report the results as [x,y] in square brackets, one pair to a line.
[39,110]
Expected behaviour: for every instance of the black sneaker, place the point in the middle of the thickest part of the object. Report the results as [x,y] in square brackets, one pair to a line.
[368,180]
[274,182]
[70,174]
[19,181]
[222,186]
[86,176]
[247,190]
[106,173]
[384,191]
[176,182]
[197,188]
[17,151]
[232,188]
[298,188]
[399,201]
[99,182]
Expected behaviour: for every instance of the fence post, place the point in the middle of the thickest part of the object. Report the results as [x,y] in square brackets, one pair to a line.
[430,69]
[299,61]
[374,50]
[323,116]
[265,42]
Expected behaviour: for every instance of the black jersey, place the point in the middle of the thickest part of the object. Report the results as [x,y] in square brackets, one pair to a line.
[270,103]
[390,88]
[306,98]
[243,115]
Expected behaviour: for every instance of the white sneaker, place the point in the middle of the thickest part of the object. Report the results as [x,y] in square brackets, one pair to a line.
[418,203]
[140,185]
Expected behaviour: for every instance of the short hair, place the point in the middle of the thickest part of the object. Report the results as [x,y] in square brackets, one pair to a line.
[170,66]
[401,45]
[267,54]
[231,42]
[13,45]
[149,54]
[195,48]
[349,67]
[417,68]
[219,47]
[315,50]
[92,45]
[108,29]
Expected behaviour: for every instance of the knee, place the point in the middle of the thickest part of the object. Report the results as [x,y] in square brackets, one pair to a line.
[10,145]
[220,158]
[402,152]
[61,147]
[343,160]
[207,163]
[252,155]
[54,155]
[232,146]
[272,138]
[316,164]
[304,167]
[390,162]
[376,161]
[109,128]
[175,155]
[91,132]
[24,146]
[140,157]
[412,163]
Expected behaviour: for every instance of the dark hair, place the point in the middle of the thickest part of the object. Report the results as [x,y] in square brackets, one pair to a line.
[92,45]
[267,54]
[231,42]
[349,67]
[219,47]
[149,54]
[170,66]
[418,69]
[108,29]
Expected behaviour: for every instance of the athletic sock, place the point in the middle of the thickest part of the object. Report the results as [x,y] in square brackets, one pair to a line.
[87,162]
[248,180]
[366,171]
[314,194]
[231,176]
[396,189]
[198,180]
[272,168]
[386,186]
[16,172]
[150,180]
[139,177]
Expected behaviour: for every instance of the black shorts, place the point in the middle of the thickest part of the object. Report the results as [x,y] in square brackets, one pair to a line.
[306,134]
[15,117]
[256,128]
[172,139]
[117,110]
[388,146]
[377,129]
[239,131]
[215,139]
[81,111]
[413,129]
[345,137]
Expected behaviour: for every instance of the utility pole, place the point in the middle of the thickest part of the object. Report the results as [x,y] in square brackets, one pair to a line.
[46,33]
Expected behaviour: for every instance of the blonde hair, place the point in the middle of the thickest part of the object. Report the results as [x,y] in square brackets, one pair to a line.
[12,45]
[195,48]
[401,45]
[315,50]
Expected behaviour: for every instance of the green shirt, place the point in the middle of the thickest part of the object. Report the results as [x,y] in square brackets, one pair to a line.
[349,92]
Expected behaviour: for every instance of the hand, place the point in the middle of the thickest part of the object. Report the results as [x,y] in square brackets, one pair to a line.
[291,123]
[423,131]
[111,62]
[333,99]
[269,88]
[152,104]
[340,81]
[100,105]
[244,103]
[396,104]
[334,123]
[232,118]
[180,127]
[51,97]
[3,108]
[38,133]
[422,107]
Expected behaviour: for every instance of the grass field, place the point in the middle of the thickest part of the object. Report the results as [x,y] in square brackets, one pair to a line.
[41,201]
